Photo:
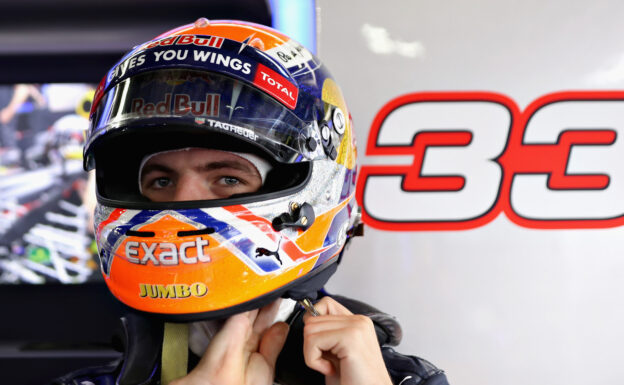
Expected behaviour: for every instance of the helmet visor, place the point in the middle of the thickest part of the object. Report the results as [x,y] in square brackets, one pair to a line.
[205,101]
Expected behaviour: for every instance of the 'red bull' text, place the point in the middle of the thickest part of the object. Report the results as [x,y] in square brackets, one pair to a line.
[181,105]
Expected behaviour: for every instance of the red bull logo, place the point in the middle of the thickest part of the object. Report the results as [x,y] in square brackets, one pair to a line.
[201,41]
[181,105]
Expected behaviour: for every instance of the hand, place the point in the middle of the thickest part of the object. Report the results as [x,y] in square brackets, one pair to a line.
[343,346]
[6,114]
[243,352]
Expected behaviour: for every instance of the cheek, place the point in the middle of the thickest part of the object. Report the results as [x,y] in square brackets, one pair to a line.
[224,189]
[255,185]
[157,195]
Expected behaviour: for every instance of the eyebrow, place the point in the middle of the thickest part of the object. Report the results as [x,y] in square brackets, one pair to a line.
[206,167]
[228,164]
[154,167]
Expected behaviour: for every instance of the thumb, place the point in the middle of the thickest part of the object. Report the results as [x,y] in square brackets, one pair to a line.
[229,342]
[273,341]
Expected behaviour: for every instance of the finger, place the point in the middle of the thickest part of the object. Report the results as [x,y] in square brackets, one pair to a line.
[226,349]
[328,306]
[266,317]
[319,354]
[273,341]
[333,318]
[252,315]
[262,320]
[234,333]
[320,324]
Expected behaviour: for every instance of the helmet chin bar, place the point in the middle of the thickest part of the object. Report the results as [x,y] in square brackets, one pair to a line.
[306,287]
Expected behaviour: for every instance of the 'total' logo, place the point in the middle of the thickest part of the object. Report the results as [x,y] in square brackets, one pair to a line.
[276,85]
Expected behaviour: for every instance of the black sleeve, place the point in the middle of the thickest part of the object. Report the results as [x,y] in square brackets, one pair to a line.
[404,370]
[410,370]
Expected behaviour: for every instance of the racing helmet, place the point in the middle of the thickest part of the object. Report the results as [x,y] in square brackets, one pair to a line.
[238,87]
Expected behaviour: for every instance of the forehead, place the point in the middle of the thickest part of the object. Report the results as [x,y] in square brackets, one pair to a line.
[193,157]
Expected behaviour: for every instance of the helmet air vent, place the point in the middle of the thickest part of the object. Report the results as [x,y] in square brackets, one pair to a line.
[142,234]
[187,233]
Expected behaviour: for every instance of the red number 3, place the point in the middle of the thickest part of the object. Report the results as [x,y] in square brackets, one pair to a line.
[474,155]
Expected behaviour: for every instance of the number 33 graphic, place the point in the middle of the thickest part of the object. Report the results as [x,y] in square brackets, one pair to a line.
[557,164]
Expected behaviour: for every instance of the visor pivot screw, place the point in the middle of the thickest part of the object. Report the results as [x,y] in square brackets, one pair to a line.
[339,121]
[325,133]
[311,144]
[304,221]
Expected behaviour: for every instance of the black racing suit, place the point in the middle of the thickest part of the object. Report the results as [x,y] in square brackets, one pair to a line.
[143,339]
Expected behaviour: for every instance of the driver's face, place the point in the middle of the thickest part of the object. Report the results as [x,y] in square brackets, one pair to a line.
[197,174]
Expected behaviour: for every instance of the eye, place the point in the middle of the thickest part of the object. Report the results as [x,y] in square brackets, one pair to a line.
[161,182]
[230,180]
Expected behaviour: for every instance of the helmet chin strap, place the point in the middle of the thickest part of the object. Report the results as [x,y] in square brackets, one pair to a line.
[174,358]
[202,332]
[178,337]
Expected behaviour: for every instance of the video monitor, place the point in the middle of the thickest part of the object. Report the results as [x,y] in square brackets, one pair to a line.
[45,211]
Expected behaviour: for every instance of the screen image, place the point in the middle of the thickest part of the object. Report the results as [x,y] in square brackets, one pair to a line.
[45,231]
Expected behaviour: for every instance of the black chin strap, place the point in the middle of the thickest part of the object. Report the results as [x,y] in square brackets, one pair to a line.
[310,287]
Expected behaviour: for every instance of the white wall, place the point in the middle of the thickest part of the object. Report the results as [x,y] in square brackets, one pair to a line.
[500,303]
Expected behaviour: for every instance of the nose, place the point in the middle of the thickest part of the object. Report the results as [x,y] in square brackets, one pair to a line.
[192,188]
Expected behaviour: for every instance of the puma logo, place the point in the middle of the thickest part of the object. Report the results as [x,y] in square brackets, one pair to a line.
[262,252]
